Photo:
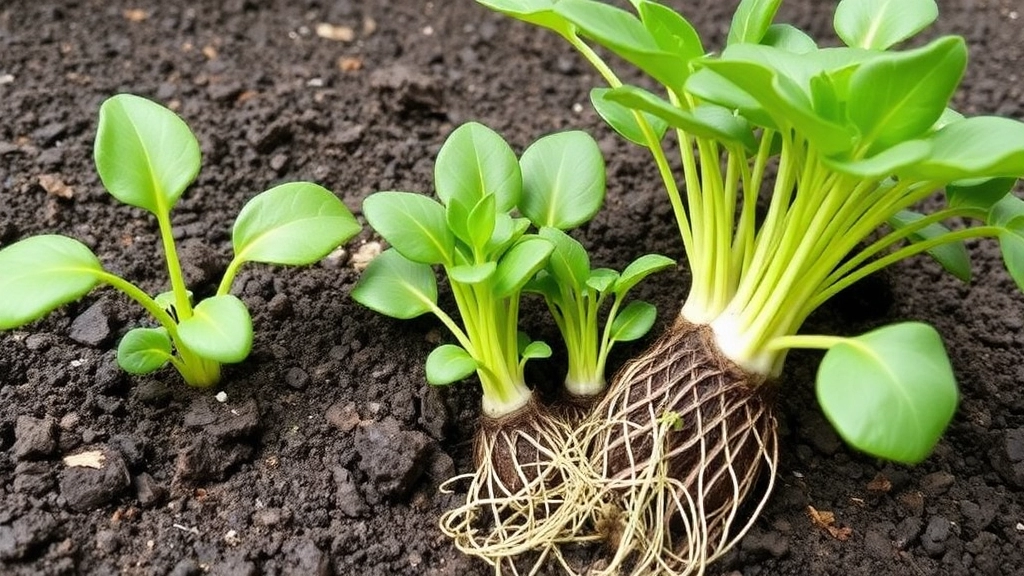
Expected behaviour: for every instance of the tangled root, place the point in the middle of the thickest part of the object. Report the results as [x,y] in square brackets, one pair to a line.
[520,498]
[677,446]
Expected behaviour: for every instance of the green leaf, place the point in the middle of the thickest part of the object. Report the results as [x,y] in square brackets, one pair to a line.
[624,34]
[536,350]
[569,264]
[519,264]
[751,20]
[395,286]
[537,12]
[979,147]
[1011,244]
[481,222]
[145,154]
[953,257]
[296,223]
[472,273]
[413,224]
[545,285]
[671,32]
[886,163]
[779,94]
[507,230]
[639,269]
[978,193]
[41,273]
[449,363]
[633,321]
[1008,214]
[622,119]
[563,180]
[704,121]
[879,24]
[144,350]
[789,38]
[220,329]
[901,95]
[890,392]
[712,87]
[602,279]
[475,161]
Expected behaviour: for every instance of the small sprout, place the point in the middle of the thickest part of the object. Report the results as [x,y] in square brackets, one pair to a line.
[146,157]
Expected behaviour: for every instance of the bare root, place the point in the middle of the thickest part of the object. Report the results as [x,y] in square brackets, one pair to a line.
[677,447]
[520,500]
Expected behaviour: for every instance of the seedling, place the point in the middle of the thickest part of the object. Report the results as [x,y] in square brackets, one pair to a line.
[576,295]
[478,234]
[860,135]
[146,157]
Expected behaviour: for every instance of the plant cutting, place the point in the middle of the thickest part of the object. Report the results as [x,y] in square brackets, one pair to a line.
[477,232]
[857,136]
[146,157]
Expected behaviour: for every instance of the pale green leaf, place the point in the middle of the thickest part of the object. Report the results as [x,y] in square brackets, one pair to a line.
[449,363]
[879,24]
[890,392]
[475,161]
[220,329]
[519,264]
[563,180]
[145,154]
[623,120]
[413,224]
[144,350]
[395,286]
[751,20]
[296,223]
[41,273]
[633,321]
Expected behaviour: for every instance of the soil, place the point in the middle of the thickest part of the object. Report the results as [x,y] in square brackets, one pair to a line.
[326,455]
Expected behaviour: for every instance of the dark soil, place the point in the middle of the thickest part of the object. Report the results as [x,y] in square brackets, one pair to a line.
[326,455]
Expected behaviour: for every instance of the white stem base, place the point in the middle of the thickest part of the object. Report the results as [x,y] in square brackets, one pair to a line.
[496,409]
[734,344]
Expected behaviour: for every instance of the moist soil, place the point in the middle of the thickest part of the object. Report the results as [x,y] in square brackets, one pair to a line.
[326,455]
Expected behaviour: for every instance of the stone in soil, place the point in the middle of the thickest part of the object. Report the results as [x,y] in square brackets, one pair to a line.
[92,327]
[85,488]
[34,437]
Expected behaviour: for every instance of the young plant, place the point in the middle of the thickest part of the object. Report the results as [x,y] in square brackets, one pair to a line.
[576,294]
[526,458]
[564,186]
[146,156]
[859,136]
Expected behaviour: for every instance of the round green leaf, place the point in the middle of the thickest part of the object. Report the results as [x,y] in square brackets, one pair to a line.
[978,147]
[519,264]
[639,269]
[145,154]
[901,95]
[536,350]
[296,223]
[879,24]
[633,321]
[538,12]
[395,286]
[144,350]
[569,264]
[890,392]
[475,161]
[413,224]
[602,279]
[472,273]
[41,273]
[751,20]
[449,363]
[220,329]
[563,180]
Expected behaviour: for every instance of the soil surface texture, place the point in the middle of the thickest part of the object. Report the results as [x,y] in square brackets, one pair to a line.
[326,455]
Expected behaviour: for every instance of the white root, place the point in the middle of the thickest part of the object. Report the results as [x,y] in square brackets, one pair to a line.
[523,525]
